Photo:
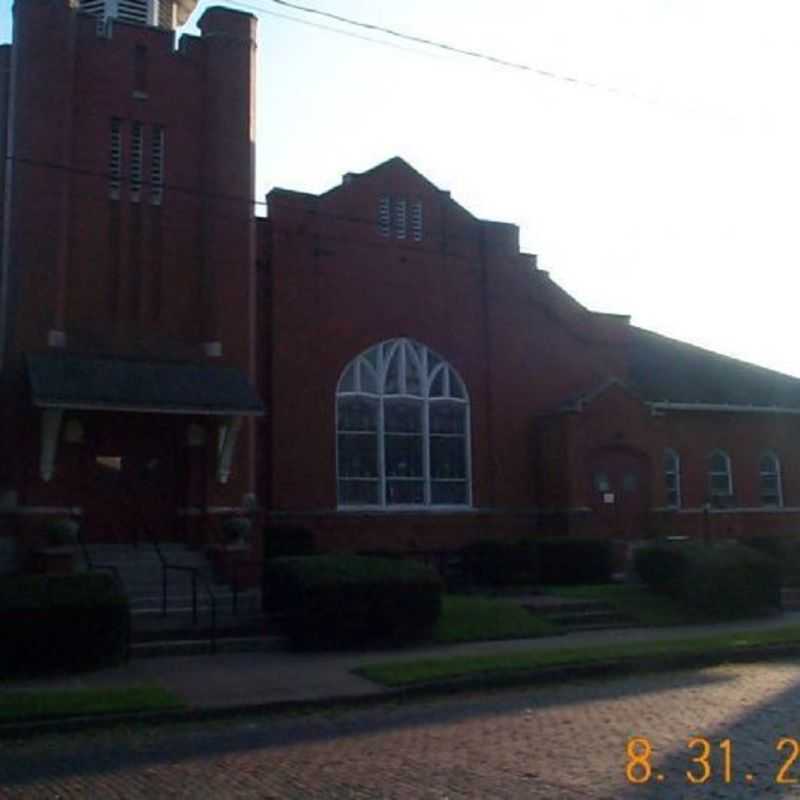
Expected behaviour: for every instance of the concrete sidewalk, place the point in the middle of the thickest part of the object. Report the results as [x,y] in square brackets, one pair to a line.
[208,682]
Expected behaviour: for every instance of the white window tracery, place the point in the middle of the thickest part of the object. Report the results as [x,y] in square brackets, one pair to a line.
[402,429]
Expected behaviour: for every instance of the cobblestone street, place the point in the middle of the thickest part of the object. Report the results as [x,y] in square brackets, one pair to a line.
[555,742]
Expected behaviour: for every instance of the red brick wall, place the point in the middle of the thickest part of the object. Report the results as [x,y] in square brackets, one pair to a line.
[338,287]
[116,276]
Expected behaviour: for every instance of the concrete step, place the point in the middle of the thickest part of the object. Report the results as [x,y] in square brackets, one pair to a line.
[198,646]
[152,607]
[181,626]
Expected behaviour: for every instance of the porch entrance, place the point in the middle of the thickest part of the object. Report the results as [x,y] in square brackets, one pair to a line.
[133,482]
[620,491]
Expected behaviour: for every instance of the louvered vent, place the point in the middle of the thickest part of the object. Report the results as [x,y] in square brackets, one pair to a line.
[157,167]
[167,14]
[400,218]
[96,7]
[137,156]
[115,159]
[384,216]
[394,216]
[133,11]
[416,220]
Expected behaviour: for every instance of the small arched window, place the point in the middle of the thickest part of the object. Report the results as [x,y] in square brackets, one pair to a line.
[402,429]
[672,478]
[769,474]
[720,478]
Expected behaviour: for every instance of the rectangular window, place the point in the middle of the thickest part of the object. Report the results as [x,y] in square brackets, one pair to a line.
[137,156]
[403,438]
[448,453]
[157,167]
[115,159]
[357,451]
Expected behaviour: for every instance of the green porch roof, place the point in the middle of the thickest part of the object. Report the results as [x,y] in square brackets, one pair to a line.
[103,383]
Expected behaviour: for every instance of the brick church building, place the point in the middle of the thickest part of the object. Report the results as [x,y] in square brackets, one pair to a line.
[373,363]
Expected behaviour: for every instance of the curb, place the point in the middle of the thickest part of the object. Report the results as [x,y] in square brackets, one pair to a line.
[480,681]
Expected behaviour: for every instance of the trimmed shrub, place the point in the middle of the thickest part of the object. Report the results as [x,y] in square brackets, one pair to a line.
[567,560]
[785,549]
[663,566]
[493,562]
[724,581]
[69,622]
[344,600]
[288,540]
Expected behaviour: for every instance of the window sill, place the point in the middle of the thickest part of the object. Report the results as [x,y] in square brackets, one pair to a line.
[404,509]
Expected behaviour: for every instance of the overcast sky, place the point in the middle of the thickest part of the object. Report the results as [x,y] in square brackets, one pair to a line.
[674,197]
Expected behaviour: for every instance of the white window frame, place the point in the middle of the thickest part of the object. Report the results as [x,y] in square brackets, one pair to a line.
[772,456]
[712,473]
[429,366]
[675,471]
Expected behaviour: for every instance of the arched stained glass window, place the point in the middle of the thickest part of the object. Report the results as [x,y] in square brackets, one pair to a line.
[769,473]
[402,429]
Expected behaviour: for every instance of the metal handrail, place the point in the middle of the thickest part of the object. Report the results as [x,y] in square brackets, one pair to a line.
[196,573]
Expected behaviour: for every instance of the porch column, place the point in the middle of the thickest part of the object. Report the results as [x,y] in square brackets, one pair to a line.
[228,433]
[51,428]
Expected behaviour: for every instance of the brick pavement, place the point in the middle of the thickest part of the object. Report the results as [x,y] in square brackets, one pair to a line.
[557,742]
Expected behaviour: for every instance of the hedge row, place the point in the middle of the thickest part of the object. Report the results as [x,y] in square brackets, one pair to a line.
[549,561]
[69,622]
[342,600]
[724,581]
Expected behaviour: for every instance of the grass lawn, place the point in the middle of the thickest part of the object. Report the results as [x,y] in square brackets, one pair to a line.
[473,618]
[638,602]
[398,674]
[19,706]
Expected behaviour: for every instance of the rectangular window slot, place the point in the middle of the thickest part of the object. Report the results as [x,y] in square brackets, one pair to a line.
[115,159]
[416,221]
[137,156]
[400,218]
[157,167]
[384,216]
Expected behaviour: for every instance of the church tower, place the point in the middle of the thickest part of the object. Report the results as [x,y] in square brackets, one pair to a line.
[128,243]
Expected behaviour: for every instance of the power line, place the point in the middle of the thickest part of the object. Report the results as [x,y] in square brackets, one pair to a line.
[455,50]
[502,62]
[329,28]
[312,213]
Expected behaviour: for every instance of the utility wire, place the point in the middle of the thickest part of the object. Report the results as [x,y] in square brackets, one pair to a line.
[476,54]
[240,200]
[329,28]
[502,62]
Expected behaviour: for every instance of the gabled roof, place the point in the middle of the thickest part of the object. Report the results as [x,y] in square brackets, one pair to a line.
[670,371]
[394,164]
[578,401]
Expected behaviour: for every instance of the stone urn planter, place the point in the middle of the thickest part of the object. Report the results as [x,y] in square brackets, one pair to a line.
[57,556]
[233,558]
